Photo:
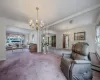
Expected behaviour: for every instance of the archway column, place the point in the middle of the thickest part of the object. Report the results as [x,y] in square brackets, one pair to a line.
[39,41]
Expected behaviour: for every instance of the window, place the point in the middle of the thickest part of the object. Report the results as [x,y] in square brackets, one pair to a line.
[98,34]
[15,38]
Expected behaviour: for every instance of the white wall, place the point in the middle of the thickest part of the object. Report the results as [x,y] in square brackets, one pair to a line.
[35,37]
[4,23]
[2,42]
[26,39]
[51,32]
[90,36]
[59,39]
[36,40]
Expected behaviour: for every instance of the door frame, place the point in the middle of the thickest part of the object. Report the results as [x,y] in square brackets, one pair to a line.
[64,40]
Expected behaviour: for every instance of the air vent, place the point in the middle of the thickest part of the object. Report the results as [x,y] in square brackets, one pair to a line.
[71,21]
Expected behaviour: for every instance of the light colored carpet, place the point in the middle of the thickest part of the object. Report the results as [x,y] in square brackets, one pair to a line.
[29,66]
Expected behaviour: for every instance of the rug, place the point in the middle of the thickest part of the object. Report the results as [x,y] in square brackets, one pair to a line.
[36,66]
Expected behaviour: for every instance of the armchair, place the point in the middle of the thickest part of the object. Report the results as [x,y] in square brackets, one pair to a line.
[76,65]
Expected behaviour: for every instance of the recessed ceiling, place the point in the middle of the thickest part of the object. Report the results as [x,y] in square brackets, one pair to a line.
[50,10]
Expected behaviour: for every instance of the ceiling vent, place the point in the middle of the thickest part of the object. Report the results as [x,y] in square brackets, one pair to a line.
[71,21]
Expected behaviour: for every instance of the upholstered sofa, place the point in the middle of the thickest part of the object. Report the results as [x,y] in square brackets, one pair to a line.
[76,65]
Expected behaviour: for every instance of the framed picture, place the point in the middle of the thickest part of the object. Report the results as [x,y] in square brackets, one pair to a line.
[79,36]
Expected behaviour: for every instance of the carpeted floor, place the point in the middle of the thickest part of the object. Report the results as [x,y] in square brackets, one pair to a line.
[27,66]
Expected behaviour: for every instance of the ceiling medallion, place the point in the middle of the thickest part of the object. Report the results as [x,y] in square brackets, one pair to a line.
[37,24]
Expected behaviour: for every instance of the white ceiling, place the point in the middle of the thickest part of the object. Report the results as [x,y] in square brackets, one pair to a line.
[50,11]
[79,21]
[17,30]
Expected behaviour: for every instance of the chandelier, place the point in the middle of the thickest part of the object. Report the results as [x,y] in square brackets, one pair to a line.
[36,24]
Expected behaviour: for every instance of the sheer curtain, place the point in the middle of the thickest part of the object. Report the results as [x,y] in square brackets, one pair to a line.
[98,34]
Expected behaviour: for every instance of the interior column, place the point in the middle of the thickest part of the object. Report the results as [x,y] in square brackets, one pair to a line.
[2,43]
[39,41]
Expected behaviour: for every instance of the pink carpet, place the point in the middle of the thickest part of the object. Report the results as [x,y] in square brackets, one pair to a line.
[29,66]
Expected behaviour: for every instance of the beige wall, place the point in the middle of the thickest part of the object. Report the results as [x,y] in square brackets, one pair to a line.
[90,36]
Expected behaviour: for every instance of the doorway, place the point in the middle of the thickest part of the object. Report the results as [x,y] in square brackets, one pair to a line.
[53,41]
[65,41]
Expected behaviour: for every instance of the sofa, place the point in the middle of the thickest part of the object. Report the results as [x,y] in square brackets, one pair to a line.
[76,65]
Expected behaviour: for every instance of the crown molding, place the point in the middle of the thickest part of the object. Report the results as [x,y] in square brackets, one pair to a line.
[75,15]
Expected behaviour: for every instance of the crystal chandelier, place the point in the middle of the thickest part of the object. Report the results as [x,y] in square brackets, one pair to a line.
[37,24]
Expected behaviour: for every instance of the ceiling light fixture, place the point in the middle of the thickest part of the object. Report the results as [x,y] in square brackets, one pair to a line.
[37,24]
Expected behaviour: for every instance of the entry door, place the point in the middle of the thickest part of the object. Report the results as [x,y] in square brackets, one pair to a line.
[65,41]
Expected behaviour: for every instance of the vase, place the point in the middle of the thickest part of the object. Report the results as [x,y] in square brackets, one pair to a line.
[44,50]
